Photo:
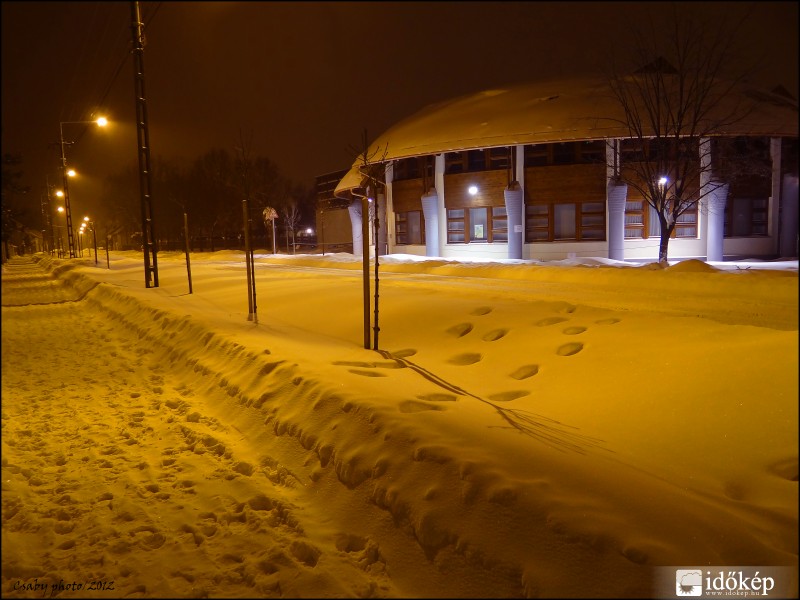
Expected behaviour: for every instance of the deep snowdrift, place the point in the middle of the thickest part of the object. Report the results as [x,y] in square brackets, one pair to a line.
[526,429]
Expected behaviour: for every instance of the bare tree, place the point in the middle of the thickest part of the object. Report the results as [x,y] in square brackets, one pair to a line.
[672,106]
[291,219]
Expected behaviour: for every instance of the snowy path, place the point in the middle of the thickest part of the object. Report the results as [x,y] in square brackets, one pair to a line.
[129,476]
[509,439]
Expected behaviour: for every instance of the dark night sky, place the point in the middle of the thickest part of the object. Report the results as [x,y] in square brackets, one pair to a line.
[304,79]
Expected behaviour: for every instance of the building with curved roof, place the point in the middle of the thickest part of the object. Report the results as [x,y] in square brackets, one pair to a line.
[534,172]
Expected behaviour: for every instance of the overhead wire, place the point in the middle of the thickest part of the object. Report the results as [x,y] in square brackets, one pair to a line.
[77,69]
[126,52]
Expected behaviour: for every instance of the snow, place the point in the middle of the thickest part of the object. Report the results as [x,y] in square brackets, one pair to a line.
[527,429]
[560,110]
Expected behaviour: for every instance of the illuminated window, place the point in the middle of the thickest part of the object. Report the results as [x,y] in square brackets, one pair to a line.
[537,222]
[641,222]
[746,217]
[409,228]
[499,224]
[686,224]
[565,221]
[477,225]
[635,219]
[456,225]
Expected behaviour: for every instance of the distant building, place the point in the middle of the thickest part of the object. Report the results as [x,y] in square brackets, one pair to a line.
[20,240]
[333,226]
[528,172]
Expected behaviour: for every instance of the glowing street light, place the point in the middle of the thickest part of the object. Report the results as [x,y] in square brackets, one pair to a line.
[61,210]
[102,122]
[90,224]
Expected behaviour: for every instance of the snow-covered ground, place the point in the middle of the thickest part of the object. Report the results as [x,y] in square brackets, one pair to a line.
[526,429]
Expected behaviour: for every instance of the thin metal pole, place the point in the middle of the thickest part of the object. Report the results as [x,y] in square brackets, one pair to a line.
[247,261]
[188,245]
[376,228]
[94,236]
[365,265]
[249,235]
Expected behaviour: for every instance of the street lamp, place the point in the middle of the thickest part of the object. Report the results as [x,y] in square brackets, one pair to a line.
[61,210]
[102,122]
[86,222]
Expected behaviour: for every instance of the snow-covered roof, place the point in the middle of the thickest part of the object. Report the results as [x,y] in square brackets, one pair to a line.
[543,112]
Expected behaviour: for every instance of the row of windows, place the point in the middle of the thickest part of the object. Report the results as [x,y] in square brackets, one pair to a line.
[582,152]
[562,221]
[471,161]
[491,159]
[576,221]
[641,222]
[566,153]
[483,224]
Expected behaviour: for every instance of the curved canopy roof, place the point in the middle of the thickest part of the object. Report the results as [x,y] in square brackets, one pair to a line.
[553,111]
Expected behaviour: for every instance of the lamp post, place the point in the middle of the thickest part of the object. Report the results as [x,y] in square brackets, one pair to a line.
[61,210]
[102,122]
[90,224]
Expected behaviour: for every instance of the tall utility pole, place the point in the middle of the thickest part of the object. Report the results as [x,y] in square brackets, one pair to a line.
[145,173]
[67,207]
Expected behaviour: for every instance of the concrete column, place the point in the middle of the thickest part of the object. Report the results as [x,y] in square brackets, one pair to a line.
[789,239]
[513,198]
[520,166]
[616,197]
[438,179]
[390,208]
[714,196]
[355,222]
[716,221]
[774,224]
[430,209]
